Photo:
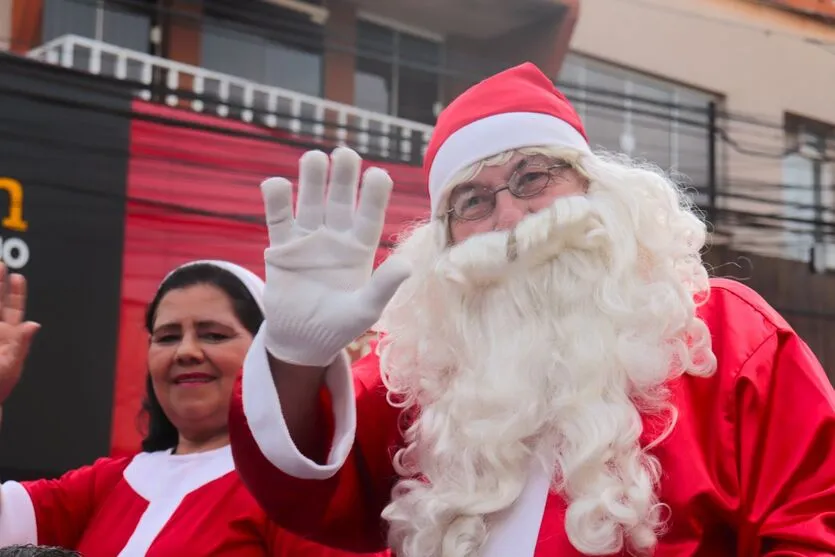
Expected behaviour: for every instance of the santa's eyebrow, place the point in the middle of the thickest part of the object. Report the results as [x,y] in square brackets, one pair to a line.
[522,163]
[535,159]
[465,187]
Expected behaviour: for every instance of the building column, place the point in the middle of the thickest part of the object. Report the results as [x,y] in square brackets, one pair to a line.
[25,32]
[339,61]
[181,28]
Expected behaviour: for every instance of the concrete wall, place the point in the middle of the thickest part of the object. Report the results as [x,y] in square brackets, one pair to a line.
[718,45]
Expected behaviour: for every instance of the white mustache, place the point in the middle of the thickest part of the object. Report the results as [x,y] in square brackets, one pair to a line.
[569,223]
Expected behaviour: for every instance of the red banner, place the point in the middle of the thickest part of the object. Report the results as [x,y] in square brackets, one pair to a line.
[193,194]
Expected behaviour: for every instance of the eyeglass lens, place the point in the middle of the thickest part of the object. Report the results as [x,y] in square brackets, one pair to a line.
[476,201]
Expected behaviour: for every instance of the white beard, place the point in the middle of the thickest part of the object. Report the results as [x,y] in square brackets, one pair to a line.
[554,356]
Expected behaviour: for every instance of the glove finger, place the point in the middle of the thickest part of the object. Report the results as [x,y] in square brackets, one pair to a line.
[278,209]
[313,174]
[385,281]
[342,191]
[371,210]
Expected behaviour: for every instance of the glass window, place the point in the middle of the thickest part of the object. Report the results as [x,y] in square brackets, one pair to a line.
[373,86]
[68,17]
[375,66]
[417,51]
[604,109]
[572,82]
[396,72]
[232,51]
[125,25]
[417,78]
[646,117]
[293,68]
[263,43]
[808,189]
[127,28]
[692,139]
[651,122]
[375,41]
[418,93]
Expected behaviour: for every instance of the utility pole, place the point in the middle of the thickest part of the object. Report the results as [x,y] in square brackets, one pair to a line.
[712,165]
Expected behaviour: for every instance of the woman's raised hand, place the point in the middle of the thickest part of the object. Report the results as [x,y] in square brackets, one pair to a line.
[15,334]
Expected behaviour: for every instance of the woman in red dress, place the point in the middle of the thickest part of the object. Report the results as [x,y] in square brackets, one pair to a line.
[181,494]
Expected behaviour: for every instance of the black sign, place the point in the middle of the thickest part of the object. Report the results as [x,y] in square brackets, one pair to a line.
[64,141]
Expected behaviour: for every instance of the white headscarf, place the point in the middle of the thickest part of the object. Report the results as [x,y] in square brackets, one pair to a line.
[250,280]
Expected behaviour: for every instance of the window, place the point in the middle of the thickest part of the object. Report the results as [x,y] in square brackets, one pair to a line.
[263,43]
[396,72]
[266,44]
[645,117]
[808,183]
[125,24]
[374,77]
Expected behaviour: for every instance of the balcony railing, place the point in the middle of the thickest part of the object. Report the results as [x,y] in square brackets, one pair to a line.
[229,96]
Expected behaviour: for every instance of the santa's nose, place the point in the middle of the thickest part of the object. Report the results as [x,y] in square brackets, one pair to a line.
[509,210]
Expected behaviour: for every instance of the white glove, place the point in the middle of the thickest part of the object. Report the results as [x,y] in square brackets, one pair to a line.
[320,294]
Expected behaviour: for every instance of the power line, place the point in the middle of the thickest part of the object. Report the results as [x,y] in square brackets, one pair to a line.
[414,190]
[282,29]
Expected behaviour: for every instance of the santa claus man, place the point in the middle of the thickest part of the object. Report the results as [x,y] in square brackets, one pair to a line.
[556,374]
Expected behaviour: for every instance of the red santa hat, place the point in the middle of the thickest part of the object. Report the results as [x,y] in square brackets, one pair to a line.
[519,107]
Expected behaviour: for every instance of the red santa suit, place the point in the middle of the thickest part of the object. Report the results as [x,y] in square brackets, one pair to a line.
[154,504]
[748,468]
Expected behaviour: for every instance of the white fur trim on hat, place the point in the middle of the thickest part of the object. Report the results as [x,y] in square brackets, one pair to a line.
[250,280]
[493,135]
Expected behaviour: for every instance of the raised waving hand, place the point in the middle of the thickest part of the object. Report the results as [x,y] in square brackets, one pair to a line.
[320,291]
[15,334]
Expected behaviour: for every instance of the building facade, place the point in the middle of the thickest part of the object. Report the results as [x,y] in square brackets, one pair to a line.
[192,103]
[767,69]
[173,110]
[396,63]
[734,95]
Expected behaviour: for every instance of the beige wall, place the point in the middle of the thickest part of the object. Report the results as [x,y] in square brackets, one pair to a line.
[686,40]
[5,24]
[761,60]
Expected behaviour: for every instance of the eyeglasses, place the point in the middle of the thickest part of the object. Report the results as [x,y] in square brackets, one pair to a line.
[471,202]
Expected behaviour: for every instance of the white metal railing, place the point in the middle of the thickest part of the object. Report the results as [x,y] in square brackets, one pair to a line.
[235,97]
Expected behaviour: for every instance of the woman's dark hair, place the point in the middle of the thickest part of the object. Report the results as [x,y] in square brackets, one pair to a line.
[161,433]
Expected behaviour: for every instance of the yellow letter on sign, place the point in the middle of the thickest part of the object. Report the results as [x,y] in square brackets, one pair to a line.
[14,220]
